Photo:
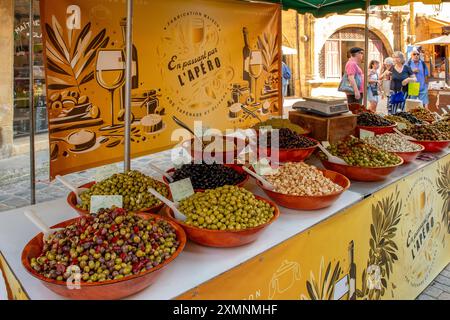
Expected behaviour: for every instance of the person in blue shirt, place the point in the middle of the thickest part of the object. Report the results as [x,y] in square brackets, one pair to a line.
[286,77]
[420,70]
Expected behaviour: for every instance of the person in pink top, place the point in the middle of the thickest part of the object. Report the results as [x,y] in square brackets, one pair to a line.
[355,75]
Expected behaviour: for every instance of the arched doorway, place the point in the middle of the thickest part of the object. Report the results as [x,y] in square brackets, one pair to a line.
[333,55]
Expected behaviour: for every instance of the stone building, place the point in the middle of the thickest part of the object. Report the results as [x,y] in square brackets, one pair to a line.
[323,43]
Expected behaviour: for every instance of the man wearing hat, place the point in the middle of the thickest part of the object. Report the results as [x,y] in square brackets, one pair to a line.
[420,69]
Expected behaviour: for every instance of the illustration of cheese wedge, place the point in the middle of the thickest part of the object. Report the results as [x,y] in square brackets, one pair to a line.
[235,110]
[152,123]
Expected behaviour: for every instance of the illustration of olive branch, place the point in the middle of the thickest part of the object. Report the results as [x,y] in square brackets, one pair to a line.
[386,215]
[443,184]
[72,62]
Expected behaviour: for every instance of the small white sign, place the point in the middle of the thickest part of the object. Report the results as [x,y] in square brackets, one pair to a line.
[263,167]
[326,144]
[181,189]
[366,134]
[105,202]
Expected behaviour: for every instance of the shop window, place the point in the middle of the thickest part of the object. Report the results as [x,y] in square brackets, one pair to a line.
[22,70]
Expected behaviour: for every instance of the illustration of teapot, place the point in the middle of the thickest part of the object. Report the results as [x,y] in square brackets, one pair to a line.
[284,278]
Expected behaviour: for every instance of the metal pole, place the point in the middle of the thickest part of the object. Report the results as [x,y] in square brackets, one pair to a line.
[366,52]
[31,106]
[447,64]
[128,74]
[297,26]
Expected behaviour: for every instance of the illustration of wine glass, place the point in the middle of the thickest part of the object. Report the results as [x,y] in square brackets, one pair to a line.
[255,69]
[110,75]
[198,32]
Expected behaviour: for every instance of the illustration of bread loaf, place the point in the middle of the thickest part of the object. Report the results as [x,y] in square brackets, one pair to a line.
[152,123]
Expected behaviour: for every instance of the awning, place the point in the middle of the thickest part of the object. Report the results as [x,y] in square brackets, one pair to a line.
[403,2]
[442,40]
[320,8]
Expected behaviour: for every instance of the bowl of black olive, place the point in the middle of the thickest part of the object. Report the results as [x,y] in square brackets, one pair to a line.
[374,123]
[209,176]
[292,147]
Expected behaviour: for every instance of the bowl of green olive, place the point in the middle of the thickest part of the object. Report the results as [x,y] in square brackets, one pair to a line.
[225,217]
[132,186]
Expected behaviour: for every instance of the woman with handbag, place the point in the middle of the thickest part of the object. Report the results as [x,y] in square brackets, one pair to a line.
[352,83]
[373,80]
[402,75]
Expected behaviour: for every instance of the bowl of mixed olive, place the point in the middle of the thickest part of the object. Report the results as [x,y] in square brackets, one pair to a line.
[429,136]
[132,186]
[291,146]
[225,217]
[365,162]
[209,176]
[110,256]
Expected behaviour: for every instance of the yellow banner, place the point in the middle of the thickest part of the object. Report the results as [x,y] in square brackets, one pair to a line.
[389,246]
[216,61]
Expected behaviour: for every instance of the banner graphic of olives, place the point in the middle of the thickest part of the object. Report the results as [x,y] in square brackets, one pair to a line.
[212,61]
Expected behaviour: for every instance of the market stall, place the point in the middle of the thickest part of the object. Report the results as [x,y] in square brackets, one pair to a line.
[382,235]
[287,259]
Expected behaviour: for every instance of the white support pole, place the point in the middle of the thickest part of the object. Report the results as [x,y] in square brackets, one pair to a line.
[366,53]
[128,76]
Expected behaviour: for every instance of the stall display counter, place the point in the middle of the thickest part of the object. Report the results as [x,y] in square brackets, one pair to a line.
[288,258]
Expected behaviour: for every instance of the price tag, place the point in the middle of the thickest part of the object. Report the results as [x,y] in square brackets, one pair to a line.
[105,172]
[401,126]
[181,189]
[326,144]
[105,202]
[265,128]
[263,167]
[366,134]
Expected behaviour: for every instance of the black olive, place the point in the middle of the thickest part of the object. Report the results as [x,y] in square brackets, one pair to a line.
[208,176]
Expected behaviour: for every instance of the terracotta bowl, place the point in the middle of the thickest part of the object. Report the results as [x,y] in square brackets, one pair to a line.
[409,156]
[376,130]
[224,156]
[224,238]
[235,167]
[108,290]
[72,201]
[433,146]
[294,155]
[362,173]
[310,202]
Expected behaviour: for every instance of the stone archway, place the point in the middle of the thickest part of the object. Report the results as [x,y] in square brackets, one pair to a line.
[333,54]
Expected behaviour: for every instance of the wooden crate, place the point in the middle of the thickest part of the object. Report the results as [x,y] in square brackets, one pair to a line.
[330,129]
